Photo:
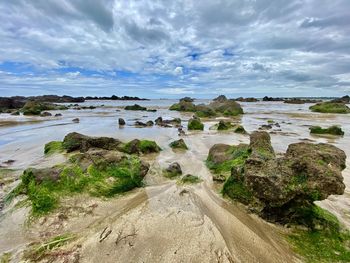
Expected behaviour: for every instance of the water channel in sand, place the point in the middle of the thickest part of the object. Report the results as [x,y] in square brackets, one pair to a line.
[163,222]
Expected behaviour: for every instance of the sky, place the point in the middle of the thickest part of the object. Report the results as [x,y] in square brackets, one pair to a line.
[171,49]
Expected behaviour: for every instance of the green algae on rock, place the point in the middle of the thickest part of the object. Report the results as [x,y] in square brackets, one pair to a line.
[135,107]
[190,179]
[333,130]
[53,147]
[179,144]
[195,124]
[330,107]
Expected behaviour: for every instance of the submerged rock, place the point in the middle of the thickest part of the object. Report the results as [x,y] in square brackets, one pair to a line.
[76,120]
[58,115]
[45,114]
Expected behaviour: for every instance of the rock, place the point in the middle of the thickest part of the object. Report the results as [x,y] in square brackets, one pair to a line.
[203,110]
[76,141]
[179,144]
[266,98]
[58,115]
[330,107]
[195,124]
[15,113]
[224,125]
[221,98]
[246,99]
[281,189]
[187,99]
[45,114]
[173,170]
[219,178]
[185,106]
[226,107]
[11,103]
[35,107]
[333,130]
[149,123]
[167,123]
[265,127]
[121,121]
[114,97]
[141,146]
[300,101]
[159,121]
[41,175]
[135,107]
[140,124]
[344,99]
[76,120]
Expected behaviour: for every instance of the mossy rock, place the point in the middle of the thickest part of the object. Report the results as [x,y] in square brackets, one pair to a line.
[53,147]
[135,107]
[35,107]
[330,107]
[185,106]
[100,173]
[190,179]
[333,130]
[179,144]
[195,124]
[141,146]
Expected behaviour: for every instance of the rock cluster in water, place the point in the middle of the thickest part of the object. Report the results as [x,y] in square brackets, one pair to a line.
[218,107]
[280,189]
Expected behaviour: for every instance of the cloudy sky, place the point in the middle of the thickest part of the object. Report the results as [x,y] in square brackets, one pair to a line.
[175,48]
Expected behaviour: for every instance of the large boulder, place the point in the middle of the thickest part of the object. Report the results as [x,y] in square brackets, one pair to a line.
[11,103]
[76,141]
[141,146]
[195,124]
[183,105]
[226,107]
[173,170]
[178,144]
[281,189]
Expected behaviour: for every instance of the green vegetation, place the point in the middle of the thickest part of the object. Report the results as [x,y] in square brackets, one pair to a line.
[237,154]
[44,187]
[324,241]
[53,147]
[5,258]
[39,251]
[195,124]
[135,107]
[224,125]
[35,108]
[190,179]
[330,107]
[185,106]
[333,130]
[147,146]
[236,190]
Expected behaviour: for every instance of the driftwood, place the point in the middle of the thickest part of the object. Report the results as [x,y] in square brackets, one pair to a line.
[120,236]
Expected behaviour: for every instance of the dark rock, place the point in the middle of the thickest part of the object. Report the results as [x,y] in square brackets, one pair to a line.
[174,169]
[221,98]
[344,99]
[187,99]
[241,99]
[300,101]
[121,121]
[76,120]
[76,141]
[58,115]
[266,98]
[45,114]
[135,107]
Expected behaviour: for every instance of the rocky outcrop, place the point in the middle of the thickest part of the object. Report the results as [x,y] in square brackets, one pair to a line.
[281,189]
[75,141]
[266,98]
[219,106]
[330,107]
[251,99]
[173,170]
[344,99]
[300,101]
[135,107]
[114,97]
[333,130]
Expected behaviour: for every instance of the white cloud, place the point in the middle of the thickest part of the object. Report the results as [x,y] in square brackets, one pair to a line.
[178,71]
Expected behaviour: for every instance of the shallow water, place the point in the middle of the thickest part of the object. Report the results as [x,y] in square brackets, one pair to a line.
[227,229]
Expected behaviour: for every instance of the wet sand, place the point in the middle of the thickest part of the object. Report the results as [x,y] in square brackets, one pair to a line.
[165,221]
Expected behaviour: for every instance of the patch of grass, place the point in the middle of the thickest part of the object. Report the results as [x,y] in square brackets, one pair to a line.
[103,180]
[39,251]
[190,179]
[236,190]
[327,243]
[333,130]
[53,147]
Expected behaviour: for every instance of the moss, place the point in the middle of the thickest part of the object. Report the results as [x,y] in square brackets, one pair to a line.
[135,107]
[53,147]
[179,144]
[195,124]
[5,258]
[333,130]
[270,121]
[240,129]
[224,125]
[326,243]
[236,190]
[190,179]
[100,179]
[204,111]
[185,106]
[170,175]
[147,146]
[238,157]
[330,107]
